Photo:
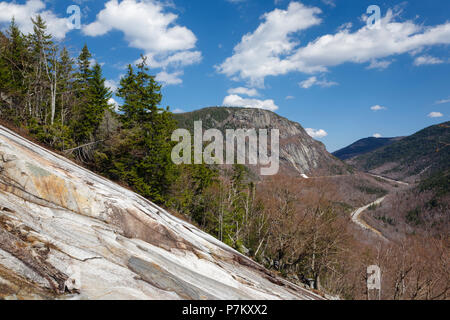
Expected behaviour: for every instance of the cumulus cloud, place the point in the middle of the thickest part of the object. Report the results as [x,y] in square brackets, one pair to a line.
[237,101]
[435,115]
[147,25]
[377,135]
[23,13]
[274,50]
[244,91]
[316,133]
[377,108]
[169,78]
[259,53]
[427,60]
[313,81]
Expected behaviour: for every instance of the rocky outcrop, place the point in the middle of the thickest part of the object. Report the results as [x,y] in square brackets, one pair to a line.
[68,233]
[298,151]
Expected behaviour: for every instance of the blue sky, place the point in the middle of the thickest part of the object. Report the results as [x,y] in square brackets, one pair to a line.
[313,61]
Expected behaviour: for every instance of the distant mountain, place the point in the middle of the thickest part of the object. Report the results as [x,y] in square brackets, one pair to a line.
[298,151]
[363,146]
[417,157]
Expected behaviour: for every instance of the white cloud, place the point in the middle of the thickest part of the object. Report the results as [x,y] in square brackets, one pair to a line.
[443,101]
[330,3]
[379,64]
[427,60]
[316,133]
[259,53]
[178,111]
[377,135]
[237,101]
[313,81]
[114,103]
[111,84]
[179,59]
[23,13]
[435,115]
[290,98]
[169,78]
[273,50]
[345,26]
[244,91]
[378,108]
[147,25]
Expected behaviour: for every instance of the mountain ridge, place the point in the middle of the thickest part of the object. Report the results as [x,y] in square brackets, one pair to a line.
[415,157]
[363,146]
[299,153]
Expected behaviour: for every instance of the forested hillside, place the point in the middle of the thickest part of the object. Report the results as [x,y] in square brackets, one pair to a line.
[363,146]
[415,157]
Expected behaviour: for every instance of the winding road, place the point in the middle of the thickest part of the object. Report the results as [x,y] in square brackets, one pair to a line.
[389,180]
[360,222]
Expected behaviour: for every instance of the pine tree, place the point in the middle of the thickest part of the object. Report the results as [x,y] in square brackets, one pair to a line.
[141,95]
[84,69]
[93,106]
[81,130]
[14,72]
[41,46]
[144,158]
[66,86]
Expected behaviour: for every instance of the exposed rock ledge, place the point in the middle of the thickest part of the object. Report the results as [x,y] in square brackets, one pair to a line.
[68,233]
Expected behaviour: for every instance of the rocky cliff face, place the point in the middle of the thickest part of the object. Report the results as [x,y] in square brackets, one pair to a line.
[298,151]
[68,233]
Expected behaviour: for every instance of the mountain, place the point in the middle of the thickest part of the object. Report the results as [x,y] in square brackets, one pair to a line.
[299,153]
[363,146]
[416,157]
[66,232]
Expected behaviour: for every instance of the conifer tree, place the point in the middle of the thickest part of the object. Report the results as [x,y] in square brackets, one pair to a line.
[41,45]
[66,86]
[13,71]
[146,162]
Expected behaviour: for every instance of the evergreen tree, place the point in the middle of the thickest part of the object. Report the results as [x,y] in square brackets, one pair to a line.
[83,118]
[13,63]
[141,95]
[66,86]
[41,46]
[84,69]
[143,157]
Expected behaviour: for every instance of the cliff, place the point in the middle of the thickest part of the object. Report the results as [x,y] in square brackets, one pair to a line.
[299,153]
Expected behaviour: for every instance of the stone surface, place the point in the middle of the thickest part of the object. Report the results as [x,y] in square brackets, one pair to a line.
[68,233]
